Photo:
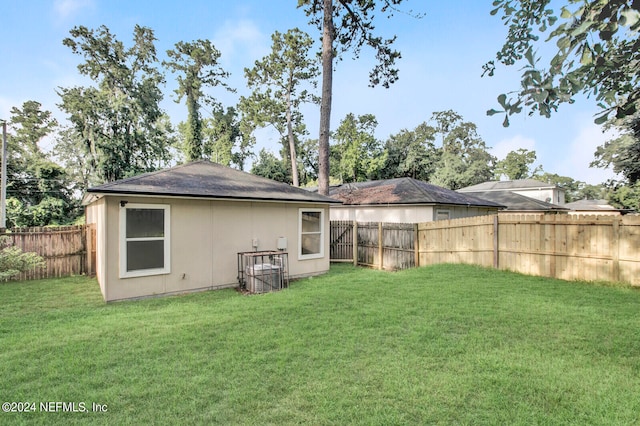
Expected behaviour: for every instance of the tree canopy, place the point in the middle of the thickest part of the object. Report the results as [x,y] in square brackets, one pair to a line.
[197,65]
[411,153]
[517,165]
[278,81]
[598,54]
[39,191]
[464,159]
[119,118]
[357,155]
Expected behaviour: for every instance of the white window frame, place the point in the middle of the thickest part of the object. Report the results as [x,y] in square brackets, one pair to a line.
[123,241]
[300,233]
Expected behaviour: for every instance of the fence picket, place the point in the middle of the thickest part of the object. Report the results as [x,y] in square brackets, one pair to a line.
[591,248]
[64,249]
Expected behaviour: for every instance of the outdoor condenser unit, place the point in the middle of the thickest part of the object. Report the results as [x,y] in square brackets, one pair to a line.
[263,271]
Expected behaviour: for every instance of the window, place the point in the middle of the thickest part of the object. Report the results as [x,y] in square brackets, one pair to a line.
[443,214]
[144,240]
[311,232]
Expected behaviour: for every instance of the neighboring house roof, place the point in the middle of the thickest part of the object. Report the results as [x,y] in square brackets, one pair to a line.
[508,185]
[590,205]
[204,179]
[593,205]
[517,202]
[403,191]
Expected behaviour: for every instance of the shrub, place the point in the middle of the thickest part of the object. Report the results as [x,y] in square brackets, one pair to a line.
[13,261]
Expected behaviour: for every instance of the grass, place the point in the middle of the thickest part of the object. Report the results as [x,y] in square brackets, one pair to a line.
[438,345]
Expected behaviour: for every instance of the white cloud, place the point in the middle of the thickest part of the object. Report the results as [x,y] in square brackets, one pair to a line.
[67,8]
[240,37]
[582,148]
[502,148]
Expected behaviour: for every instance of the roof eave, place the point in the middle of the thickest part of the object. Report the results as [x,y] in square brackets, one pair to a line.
[204,196]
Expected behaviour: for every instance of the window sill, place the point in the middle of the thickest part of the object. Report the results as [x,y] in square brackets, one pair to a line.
[144,273]
[310,256]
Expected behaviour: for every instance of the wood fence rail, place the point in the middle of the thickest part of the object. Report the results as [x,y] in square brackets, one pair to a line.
[67,250]
[591,248]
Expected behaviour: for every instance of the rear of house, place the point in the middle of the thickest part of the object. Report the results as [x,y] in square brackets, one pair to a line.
[179,230]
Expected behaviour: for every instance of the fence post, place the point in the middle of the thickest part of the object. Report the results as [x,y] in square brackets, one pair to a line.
[615,246]
[496,241]
[416,244]
[355,243]
[380,247]
[552,242]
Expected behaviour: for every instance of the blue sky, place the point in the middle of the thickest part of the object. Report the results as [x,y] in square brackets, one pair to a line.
[441,67]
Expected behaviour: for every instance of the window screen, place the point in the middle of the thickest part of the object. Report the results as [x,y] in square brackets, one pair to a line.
[144,240]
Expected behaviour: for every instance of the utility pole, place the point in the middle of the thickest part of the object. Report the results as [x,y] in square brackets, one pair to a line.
[3,190]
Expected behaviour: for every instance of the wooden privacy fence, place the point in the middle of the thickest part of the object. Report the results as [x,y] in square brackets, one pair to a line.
[591,248]
[388,246]
[67,250]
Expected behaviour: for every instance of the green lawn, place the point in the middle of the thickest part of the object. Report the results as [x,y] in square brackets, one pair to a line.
[444,344]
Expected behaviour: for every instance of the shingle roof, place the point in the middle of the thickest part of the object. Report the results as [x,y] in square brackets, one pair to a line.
[204,179]
[517,202]
[403,191]
[508,185]
[591,205]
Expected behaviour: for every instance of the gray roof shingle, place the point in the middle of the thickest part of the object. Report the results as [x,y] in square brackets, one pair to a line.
[517,202]
[403,191]
[204,179]
[591,205]
[507,185]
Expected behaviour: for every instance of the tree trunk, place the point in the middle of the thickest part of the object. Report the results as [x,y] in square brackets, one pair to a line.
[325,105]
[292,143]
[193,138]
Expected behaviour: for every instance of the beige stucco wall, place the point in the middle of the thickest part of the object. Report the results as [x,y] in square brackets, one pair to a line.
[403,214]
[206,236]
[95,213]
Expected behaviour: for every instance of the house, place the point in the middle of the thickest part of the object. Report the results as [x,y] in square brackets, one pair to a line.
[594,207]
[549,193]
[518,203]
[180,230]
[404,200]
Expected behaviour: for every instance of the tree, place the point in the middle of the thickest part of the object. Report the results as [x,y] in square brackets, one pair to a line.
[120,120]
[309,161]
[72,153]
[197,63]
[598,55]
[34,124]
[270,167]
[411,153]
[228,138]
[347,25]
[357,155]
[219,136]
[464,159]
[517,165]
[276,81]
[38,189]
[625,196]
[623,152]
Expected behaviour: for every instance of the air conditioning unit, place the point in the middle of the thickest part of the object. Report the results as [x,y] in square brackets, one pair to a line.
[261,272]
